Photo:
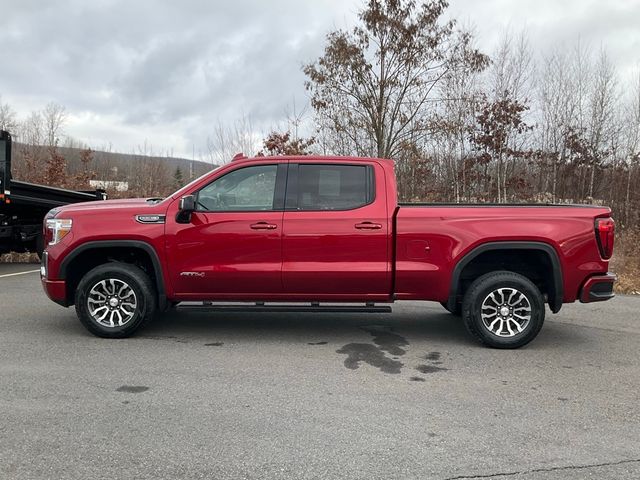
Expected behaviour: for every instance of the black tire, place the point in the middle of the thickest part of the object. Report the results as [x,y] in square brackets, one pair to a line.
[505,334]
[457,311]
[144,297]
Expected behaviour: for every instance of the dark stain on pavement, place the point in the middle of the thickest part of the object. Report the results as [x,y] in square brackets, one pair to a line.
[417,379]
[434,359]
[132,389]
[433,356]
[214,344]
[170,338]
[386,340]
[370,354]
[375,355]
[317,343]
[430,369]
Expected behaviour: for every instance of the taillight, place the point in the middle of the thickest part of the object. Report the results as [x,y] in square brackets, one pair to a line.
[605,231]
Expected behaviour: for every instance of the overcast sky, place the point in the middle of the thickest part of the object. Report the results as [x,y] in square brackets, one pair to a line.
[166,72]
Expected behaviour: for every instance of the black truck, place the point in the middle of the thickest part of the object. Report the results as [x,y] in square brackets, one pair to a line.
[23,205]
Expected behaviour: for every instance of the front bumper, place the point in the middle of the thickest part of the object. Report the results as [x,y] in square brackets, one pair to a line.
[56,290]
[598,288]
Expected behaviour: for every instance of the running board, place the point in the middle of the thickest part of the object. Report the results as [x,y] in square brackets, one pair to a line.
[283,308]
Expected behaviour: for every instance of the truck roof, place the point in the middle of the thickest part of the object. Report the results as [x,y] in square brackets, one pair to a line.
[310,158]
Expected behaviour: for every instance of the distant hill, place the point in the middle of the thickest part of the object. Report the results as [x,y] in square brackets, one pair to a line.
[106,161]
[138,175]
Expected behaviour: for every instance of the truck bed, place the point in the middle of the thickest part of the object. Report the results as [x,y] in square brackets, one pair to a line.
[33,195]
[433,238]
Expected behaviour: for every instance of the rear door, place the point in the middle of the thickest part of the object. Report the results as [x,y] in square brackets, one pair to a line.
[335,231]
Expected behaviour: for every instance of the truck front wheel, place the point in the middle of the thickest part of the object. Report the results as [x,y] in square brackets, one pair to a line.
[115,299]
[503,310]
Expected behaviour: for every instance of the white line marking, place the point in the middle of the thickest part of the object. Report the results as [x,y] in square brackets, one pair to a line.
[18,273]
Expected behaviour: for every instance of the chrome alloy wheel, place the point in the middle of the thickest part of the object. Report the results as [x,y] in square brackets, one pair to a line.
[112,302]
[506,312]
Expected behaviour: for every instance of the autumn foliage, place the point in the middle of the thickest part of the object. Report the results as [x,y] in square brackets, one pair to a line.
[278,144]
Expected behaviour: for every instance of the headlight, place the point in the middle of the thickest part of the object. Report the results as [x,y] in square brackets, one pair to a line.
[57,229]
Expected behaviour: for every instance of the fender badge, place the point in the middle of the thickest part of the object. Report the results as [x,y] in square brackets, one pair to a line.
[150,218]
[192,274]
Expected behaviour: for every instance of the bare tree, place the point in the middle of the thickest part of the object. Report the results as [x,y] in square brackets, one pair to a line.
[8,119]
[510,77]
[32,129]
[601,114]
[373,85]
[632,153]
[556,110]
[54,117]
[228,140]
[459,94]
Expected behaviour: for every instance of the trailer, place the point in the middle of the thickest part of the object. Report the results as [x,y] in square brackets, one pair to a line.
[23,205]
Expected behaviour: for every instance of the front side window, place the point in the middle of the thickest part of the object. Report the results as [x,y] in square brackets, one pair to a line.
[246,189]
[334,187]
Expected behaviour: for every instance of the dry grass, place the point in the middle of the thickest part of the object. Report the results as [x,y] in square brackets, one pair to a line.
[19,258]
[626,262]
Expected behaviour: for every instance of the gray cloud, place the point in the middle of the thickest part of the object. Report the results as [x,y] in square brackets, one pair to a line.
[166,72]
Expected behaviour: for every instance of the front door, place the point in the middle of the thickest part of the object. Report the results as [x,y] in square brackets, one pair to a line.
[233,244]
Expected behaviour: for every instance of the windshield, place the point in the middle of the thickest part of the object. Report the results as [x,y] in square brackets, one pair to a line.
[182,191]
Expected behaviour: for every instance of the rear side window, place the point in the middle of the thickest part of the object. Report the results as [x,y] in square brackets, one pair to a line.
[334,187]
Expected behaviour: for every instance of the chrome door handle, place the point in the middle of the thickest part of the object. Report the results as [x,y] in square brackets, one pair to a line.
[263,226]
[368,226]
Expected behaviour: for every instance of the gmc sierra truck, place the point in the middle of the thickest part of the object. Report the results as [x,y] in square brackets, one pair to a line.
[326,232]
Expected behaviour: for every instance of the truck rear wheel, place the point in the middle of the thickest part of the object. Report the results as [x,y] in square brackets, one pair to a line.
[503,310]
[115,299]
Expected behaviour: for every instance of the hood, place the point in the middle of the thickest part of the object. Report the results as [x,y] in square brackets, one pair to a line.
[139,204]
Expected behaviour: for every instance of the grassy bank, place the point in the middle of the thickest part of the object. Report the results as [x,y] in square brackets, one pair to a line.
[626,262]
[19,258]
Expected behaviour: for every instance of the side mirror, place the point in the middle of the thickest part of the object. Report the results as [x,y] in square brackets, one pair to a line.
[186,207]
[187,204]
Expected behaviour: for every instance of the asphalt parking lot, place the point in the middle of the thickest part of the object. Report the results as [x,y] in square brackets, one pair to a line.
[296,396]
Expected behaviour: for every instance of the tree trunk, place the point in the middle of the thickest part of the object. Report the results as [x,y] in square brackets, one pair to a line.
[627,196]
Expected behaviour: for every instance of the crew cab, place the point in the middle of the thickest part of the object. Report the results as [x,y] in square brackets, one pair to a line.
[327,232]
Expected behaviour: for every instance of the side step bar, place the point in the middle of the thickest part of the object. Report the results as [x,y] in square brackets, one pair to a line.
[277,308]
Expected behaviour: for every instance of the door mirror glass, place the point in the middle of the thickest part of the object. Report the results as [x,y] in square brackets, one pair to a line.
[186,207]
[187,204]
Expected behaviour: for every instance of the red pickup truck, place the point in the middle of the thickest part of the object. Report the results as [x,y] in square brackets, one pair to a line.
[326,231]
